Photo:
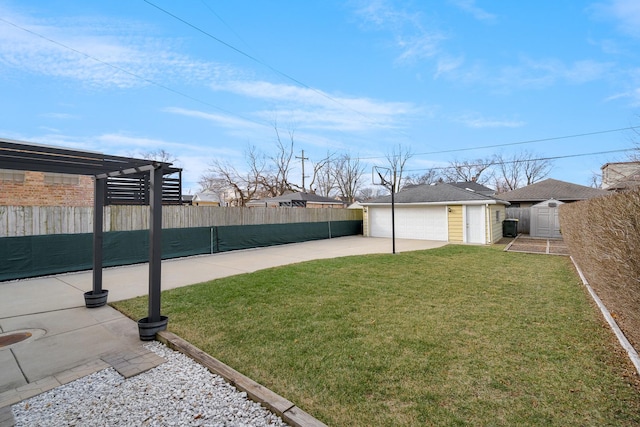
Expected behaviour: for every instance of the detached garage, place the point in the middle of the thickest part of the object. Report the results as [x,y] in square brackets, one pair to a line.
[441,212]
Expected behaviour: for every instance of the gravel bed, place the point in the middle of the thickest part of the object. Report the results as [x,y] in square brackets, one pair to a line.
[179,392]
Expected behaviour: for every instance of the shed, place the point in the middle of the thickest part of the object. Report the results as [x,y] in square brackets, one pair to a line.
[544,219]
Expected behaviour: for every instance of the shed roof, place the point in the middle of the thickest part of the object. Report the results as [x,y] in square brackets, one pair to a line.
[434,193]
[551,189]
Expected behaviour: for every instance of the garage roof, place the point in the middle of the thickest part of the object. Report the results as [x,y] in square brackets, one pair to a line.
[435,193]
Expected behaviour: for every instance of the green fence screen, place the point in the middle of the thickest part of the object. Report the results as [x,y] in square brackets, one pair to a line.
[32,256]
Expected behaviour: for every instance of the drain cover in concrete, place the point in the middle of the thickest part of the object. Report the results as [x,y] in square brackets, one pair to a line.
[10,338]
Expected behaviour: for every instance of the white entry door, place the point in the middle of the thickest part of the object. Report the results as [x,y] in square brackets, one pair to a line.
[474,224]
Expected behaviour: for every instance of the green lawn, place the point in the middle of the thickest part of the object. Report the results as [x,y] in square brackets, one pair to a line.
[461,335]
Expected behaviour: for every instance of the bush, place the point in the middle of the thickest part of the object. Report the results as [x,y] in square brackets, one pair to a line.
[603,236]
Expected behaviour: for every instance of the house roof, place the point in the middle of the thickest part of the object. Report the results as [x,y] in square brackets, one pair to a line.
[619,163]
[297,199]
[306,197]
[551,189]
[205,196]
[434,193]
[474,186]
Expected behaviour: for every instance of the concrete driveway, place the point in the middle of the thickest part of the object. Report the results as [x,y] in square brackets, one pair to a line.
[68,341]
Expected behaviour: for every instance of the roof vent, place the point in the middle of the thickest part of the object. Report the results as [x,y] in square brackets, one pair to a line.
[468,189]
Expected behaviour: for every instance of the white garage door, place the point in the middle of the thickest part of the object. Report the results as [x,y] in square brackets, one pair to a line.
[423,223]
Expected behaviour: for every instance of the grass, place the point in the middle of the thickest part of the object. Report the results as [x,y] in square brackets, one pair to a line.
[460,335]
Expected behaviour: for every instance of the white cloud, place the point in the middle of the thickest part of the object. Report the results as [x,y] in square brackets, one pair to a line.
[632,95]
[95,52]
[470,7]
[123,144]
[409,34]
[478,121]
[60,116]
[222,120]
[310,108]
[625,12]
[530,73]
[447,64]
[418,47]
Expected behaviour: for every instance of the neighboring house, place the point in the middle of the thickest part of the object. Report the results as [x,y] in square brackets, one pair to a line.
[205,198]
[620,176]
[563,191]
[187,199]
[298,200]
[441,211]
[26,188]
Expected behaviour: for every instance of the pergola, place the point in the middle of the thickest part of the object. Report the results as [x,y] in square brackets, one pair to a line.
[117,180]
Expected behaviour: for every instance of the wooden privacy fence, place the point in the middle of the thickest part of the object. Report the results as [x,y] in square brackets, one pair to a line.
[523,215]
[45,220]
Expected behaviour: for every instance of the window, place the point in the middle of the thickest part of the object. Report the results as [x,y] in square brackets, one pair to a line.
[61,179]
[8,175]
[497,216]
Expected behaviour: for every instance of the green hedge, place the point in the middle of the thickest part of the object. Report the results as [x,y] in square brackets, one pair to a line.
[32,256]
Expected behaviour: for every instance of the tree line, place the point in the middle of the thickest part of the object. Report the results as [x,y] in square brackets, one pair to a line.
[346,177]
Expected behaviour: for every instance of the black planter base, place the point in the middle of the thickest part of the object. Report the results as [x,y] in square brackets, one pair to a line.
[94,300]
[148,330]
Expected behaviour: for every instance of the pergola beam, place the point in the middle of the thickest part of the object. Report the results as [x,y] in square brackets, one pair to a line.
[130,171]
[17,155]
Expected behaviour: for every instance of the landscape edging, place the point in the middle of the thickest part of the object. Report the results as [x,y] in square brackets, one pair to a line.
[282,407]
[624,342]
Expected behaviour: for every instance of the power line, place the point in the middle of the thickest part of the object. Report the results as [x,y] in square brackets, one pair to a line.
[540,159]
[225,23]
[132,74]
[456,150]
[261,62]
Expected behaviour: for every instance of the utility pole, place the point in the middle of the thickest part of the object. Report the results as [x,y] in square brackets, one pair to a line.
[303,158]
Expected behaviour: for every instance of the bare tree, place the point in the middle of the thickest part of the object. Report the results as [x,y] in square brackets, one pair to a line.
[509,173]
[535,169]
[160,155]
[397,159]
[468,171]
[321,168]
[324,178]
[276,179]
[348,175]
[222,177]
[368,193]
[519,169]
[429,177]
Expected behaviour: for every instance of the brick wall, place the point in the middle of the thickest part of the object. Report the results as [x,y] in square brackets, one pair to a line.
[32,190]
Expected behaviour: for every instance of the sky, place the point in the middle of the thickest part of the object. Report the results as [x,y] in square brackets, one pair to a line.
[449,80]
